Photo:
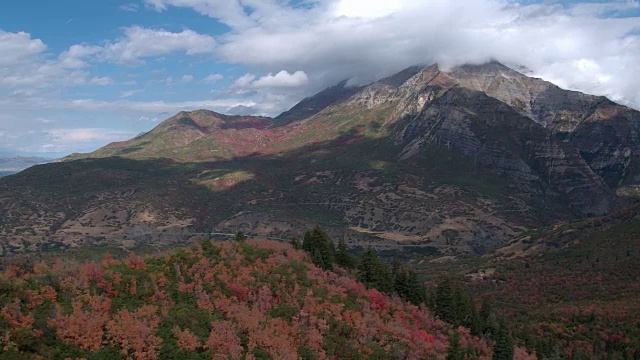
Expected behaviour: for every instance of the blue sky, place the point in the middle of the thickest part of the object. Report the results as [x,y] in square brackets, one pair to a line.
[76,75]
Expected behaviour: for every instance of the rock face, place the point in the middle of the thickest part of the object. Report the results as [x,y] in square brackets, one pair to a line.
[482,112]
[458,160]
[605,133]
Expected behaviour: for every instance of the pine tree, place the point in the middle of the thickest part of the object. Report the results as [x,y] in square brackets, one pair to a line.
[503,348]
[318,241]
[343,257]
[240,236]
[446,307]
[374,272]
[366,268]
[318,259]
[407,285]
[455,351]
[488,317]
[384,277]
[400,280]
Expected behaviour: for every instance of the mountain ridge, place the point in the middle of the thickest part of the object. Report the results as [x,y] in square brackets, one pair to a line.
[416,157]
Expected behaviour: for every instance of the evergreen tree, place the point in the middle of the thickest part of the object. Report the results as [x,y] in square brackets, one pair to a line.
[400,280]
[407,285]
[503,348]
[240,236]
[488,317]
[455,351]
[343,257]
[366,268]
[374,272]
[384,277]
[318,259]
[446,304]
[318,241]
[475,323]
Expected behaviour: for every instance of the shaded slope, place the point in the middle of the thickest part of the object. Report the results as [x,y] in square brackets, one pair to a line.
[316,103]
[360,193]
[605,133]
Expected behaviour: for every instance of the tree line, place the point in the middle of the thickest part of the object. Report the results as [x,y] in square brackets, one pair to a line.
[447,299]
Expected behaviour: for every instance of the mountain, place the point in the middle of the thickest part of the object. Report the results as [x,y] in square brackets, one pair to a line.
[193,136]
[10,165]
[313,105]
[451,161]
[606,134]
[254,300]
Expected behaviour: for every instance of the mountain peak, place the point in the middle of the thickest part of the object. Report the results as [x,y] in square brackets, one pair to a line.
[492,67]
[316,103]
[400,78]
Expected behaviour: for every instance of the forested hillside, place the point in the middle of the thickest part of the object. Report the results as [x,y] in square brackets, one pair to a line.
[235,300]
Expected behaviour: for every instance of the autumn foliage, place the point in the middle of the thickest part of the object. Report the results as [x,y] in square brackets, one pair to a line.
[244,300]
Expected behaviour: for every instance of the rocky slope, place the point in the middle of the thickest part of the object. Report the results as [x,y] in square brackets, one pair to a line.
[605,133]
[458,160]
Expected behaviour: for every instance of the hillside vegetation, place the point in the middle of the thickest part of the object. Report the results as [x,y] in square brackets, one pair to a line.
[460,161]
[570,291]
[240,300]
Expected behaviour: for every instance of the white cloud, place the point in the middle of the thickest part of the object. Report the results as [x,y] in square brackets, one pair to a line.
[131,7]
[150,119]
[373,9]
[231,12]
[213,78]
[139,43]
[330,40]
[75,57]
[244,81]
[282,79]
[101,81]
[130,93]
[187,78]
[24,65]
[65,136]
[18,47]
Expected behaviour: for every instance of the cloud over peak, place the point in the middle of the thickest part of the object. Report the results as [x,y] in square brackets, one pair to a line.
[282,79]
[330,40]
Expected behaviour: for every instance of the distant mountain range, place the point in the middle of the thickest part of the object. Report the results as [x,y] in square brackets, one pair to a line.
[11,165]
[452,161]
